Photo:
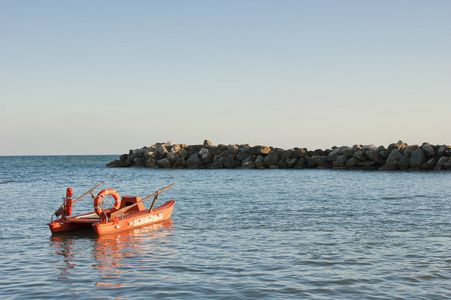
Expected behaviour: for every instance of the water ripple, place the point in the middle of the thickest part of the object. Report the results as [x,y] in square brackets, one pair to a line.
[244,234]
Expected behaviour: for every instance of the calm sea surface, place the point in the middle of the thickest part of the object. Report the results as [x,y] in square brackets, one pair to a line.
[234,234]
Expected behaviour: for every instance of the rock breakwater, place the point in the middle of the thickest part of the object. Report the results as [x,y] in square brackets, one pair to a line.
[397,156]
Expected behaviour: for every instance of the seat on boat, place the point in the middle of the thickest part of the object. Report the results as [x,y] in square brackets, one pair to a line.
[128,200]
[88,216]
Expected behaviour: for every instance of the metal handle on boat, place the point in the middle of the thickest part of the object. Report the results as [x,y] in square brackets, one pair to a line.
[88,192]
[154,200]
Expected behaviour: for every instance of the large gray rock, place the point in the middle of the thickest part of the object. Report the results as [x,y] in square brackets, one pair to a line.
[340,163]
[352,162]
[309,161]
[193,161]
[217,164]
[348,152]
[131,158]
[193,149]
[299,152]
[259,150]
[369,148]
[428,149]
[320,160]
[136,152]
[231,156]
[334,154]
[390,165]
[229,163]
[285,155]
[226,153]
[271,158]
[260,162]
[441,150]
[404,162]
[233,149]
[150,163]
[161,152]
[447,164]
[179,163]
[281,164]
[248,163]
[222,147]
[428,165]
[183,153]
[373,154]
[149,154]
[163,163]
[203,151]
[342,158]
[367,165]
[394,156]
[441,161]
[417,158]
[175,148]
[116,164]
[360,155]
[300,164]
[172,157]
[138,162]
[384,153]
[408,150]
[242,155]
[205,156]
[214,151]
[291,162]
[400,145]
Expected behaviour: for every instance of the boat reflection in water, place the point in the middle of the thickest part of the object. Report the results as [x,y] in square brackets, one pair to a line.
[112,255]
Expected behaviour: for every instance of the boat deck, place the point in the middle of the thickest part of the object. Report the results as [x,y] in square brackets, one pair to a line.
[95,216]
[92,215]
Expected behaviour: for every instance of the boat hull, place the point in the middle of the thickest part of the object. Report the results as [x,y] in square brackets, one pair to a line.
[135,219]
[79,222]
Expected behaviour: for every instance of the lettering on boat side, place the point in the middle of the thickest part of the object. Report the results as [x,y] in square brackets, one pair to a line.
[148,219]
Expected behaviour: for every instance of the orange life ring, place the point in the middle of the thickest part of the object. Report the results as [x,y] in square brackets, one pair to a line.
[101,195]
[68,202]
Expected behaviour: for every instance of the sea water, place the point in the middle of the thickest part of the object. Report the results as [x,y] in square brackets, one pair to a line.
[234,234]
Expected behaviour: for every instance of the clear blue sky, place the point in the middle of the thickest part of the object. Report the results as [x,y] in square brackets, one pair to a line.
[103,77]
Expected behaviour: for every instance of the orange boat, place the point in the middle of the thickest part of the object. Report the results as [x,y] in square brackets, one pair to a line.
[126,213]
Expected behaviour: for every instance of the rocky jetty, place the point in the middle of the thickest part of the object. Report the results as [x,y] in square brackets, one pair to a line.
[397,156]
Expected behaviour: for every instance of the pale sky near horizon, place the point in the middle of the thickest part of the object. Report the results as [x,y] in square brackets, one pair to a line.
[103,77]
